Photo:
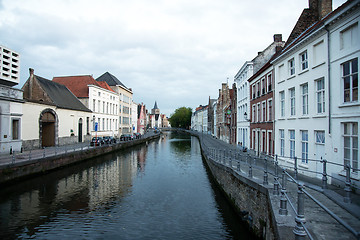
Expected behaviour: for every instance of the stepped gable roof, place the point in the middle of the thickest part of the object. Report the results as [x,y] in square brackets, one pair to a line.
[105,86]
[61,95]
[78,85]
[110,79]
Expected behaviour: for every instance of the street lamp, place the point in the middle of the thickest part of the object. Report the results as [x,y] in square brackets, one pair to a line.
[245,116]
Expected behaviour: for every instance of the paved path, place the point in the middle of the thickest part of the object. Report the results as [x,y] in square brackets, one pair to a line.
[319,223]
[18,158]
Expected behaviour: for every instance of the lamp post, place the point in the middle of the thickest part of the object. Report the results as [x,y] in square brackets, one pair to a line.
[245,116]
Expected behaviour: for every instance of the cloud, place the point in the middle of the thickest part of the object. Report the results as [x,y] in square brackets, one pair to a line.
[176,52]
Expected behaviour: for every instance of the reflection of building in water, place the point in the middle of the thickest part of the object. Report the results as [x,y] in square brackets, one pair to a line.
[91,188]
[141,157]
[195,145]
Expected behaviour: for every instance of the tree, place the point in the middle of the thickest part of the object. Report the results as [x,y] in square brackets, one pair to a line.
[181,118]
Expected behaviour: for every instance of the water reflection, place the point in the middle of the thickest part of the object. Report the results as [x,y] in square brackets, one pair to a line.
[155,191]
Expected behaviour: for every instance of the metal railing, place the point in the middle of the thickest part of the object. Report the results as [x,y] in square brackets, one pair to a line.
[246,163]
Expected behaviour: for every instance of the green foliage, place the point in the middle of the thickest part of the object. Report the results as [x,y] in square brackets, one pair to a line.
[181,118]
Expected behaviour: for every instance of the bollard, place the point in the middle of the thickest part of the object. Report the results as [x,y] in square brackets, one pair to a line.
[224,156]
[265,182]
[299,230]
[276,178]
[283,201]
[347,189]
[230,160]
[324,177]
[250,169]
[295,169]
[44,153]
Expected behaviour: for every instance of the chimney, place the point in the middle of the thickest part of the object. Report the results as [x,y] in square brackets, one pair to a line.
[321,7]
[277,37]
[31,82]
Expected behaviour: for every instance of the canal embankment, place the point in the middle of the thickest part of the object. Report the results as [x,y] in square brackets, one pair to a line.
[276,203]
[30,163]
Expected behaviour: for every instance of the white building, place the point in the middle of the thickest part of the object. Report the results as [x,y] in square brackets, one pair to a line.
[134,117]
[243,103]
[344,102]
[199,119]
[317,107]
[100,99]
[52,114]
[125,101]
[11,100]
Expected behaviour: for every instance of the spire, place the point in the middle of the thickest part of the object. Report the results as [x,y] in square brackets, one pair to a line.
[155,106]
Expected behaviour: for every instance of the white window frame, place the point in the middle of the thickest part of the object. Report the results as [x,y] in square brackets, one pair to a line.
[352,147]
[305,99]
[291,65]
[282,142]
[351,75]
[269,110]
[320,96]
[304,146]
[282,103]
[304,62]
[320,137]
[292,143]
[263,109]
[292,101]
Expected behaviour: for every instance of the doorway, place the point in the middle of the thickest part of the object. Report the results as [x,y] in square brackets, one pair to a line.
[80,130]
[48,129]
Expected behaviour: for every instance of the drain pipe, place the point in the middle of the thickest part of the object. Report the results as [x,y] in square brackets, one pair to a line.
[329,78]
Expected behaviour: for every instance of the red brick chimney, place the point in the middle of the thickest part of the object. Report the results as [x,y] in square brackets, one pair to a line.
[277,37]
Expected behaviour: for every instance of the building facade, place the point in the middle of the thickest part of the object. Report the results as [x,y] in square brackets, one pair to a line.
[55,115]
[262,111]
[125,101]
[11,100]
[100,99]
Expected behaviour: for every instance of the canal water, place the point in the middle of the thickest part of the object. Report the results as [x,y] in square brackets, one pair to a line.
[156,191]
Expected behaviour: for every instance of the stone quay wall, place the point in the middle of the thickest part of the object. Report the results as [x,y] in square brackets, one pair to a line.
[21,170]
[250,199]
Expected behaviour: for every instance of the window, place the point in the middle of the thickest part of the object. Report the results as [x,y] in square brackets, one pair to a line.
[99,94]
[126,120]
[15,129]
[320,96]
[319,53]
[119,108]
[282,142]
[320,137]
[304,99]
[264,111]
[351,145]
[103,109]
[259,112]
[291,65]
[292,143]
[254,113]
[99,106]
[292,101]
[98,124]
[282,104]
[270,110]
[126,110]
[350,80]
[304,146]
[258,89]
[303,61]
[281,73]
[263,86]
[103,124]
[94,103]
[253,91]
[349,37]
[269,82]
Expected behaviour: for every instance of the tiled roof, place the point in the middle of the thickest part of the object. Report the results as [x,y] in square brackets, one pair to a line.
[78,85]
[105,86]
[60,95]
[110,79]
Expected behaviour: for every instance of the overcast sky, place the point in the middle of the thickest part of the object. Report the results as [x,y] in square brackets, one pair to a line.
[175,52]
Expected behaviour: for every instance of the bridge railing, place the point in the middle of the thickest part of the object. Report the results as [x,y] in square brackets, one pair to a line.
[246,163]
